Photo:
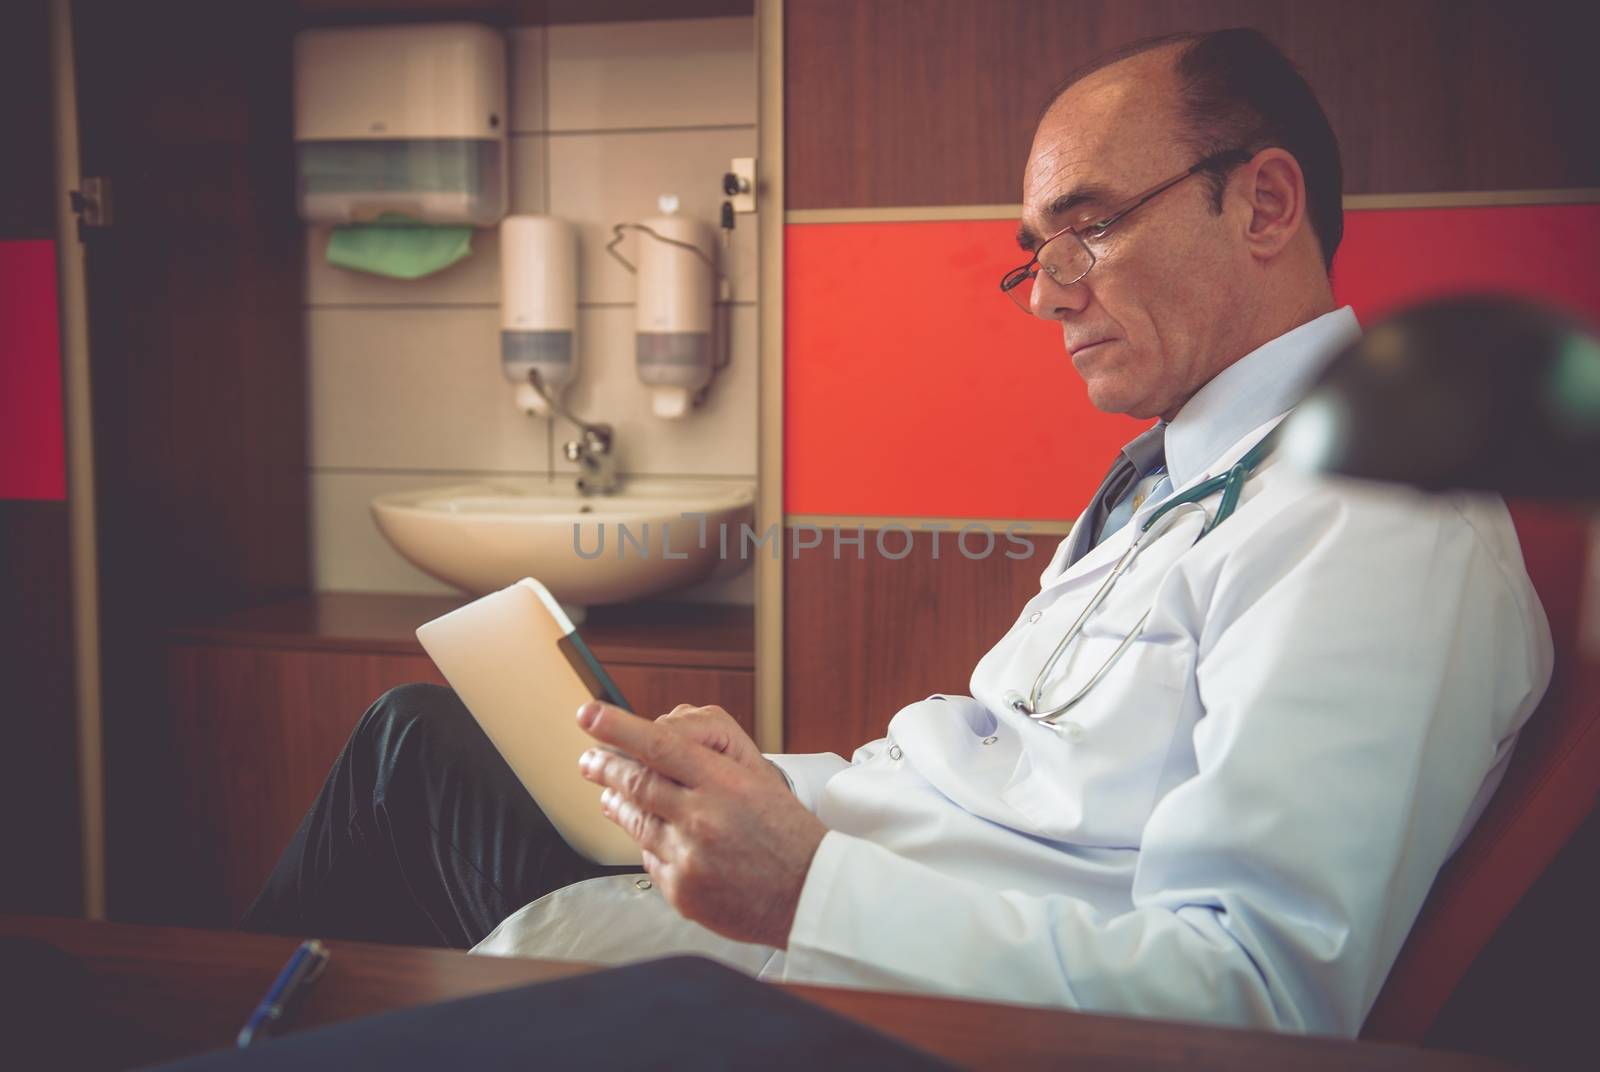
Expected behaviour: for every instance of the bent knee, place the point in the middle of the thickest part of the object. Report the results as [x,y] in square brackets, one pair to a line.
[417,709]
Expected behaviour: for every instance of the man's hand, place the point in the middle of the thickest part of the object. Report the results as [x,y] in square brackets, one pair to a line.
[722,836]
[717,730]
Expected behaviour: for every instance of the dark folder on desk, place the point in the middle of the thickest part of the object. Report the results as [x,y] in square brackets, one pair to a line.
[682,1012]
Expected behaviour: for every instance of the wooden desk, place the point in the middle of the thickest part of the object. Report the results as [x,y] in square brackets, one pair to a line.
[157,993]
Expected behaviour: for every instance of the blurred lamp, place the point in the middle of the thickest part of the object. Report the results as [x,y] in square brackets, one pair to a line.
[1479,392]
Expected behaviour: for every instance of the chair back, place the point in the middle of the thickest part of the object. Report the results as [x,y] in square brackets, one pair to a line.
[1549,788]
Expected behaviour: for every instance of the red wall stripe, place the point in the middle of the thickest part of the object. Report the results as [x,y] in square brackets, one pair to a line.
[32,448]
[913,388]
[1394,257]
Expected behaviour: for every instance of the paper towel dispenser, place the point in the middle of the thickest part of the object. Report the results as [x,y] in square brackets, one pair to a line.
[406,120]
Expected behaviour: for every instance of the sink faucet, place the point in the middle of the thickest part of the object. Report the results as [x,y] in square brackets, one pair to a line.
[592,450]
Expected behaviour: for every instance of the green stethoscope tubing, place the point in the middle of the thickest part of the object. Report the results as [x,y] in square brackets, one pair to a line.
[1231,484]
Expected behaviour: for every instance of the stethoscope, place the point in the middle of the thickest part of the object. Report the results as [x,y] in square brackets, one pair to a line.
[1231,484]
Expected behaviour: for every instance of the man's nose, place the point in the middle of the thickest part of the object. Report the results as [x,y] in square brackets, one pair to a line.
[1051,301]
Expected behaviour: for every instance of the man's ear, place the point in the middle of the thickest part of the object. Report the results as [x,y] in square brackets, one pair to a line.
[1274,189]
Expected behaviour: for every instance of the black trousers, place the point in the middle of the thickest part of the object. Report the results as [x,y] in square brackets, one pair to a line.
[421,836]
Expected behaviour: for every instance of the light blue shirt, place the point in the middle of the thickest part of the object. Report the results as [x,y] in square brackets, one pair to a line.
[1267,381]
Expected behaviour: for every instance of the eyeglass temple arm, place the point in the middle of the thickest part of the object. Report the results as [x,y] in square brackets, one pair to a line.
[1237,156]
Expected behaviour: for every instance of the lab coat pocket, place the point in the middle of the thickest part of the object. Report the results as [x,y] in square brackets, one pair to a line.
[1092,778]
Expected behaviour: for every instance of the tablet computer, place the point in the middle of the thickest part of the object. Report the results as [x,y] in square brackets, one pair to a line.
[520,667]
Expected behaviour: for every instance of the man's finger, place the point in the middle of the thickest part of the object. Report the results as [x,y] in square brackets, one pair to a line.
[642,826]
[657,746]
[651,791]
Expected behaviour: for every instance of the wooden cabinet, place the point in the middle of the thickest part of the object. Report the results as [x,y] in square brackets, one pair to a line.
[264,699]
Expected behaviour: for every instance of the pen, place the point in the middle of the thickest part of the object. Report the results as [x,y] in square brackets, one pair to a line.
[299,973]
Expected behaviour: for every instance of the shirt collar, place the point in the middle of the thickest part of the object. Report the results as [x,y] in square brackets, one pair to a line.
[1261,385]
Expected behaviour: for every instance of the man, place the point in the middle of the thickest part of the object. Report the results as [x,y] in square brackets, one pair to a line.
[1234,816]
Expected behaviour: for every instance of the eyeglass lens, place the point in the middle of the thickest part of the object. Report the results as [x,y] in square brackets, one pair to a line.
[1064,258]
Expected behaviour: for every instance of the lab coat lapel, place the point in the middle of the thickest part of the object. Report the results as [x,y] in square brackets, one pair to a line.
[1098,559]
[1095,561]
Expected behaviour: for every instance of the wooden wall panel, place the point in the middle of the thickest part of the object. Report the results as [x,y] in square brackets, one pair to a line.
[864,636]
[655,690]
[38,763]
[933,102]
[28,193]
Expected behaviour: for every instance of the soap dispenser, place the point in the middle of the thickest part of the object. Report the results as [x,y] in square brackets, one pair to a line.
[674,343]
[538,307]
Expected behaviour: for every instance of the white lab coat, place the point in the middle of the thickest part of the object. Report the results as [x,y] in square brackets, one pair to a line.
[1238,825]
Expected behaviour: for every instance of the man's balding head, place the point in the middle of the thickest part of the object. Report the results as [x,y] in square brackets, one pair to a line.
[1211,267]
[1234,87]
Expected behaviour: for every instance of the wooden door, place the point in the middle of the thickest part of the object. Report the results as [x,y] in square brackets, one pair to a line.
[198,373]
[38,765]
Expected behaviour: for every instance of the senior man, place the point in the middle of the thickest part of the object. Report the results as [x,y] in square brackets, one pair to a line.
[1234,816]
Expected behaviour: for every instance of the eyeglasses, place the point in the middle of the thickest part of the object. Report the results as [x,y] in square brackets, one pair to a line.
[1066,258]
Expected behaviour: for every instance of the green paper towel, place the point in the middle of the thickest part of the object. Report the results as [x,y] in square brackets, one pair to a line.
[398,249]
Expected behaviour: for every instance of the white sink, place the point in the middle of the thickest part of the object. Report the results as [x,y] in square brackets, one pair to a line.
[482,537]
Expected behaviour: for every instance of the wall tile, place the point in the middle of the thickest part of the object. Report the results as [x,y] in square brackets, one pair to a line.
[598,180]
[627,75]
[717,439]
[475,280]
[417,389]
[528,78]
[349,553]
